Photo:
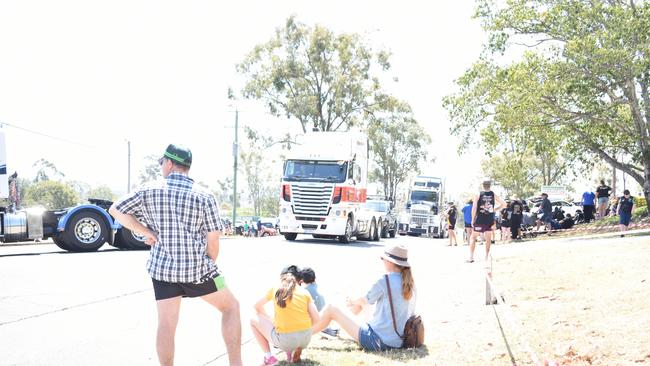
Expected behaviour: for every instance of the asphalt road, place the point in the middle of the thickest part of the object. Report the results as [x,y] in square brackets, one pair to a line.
[59,308]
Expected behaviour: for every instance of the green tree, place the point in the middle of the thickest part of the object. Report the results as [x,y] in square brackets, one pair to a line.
[102,192]
[223,193]
[51,194]
[81,188]
[322,79]
[22,185]
[270,201]
[46,171]
[398,144]
[584,78]
[150,170]
[255,168]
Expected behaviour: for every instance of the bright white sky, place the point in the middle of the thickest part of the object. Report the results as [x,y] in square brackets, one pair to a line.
[155,72]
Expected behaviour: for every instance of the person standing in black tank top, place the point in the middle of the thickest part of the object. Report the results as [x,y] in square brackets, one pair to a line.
[483,210]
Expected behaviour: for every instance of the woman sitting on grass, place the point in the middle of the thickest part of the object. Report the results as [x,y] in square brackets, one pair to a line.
[379,334]
[290,330]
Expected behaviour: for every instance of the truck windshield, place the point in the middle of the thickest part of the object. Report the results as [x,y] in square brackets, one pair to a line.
[424,196]
[312,170]
[378,206]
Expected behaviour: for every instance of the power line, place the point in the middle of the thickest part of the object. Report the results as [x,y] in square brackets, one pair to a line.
[46,135]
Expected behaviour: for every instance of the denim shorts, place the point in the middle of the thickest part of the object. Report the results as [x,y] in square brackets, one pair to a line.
[603,200]
[370,341]
[624,218]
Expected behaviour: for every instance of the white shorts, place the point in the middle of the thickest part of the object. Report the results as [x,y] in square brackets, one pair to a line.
[292,340]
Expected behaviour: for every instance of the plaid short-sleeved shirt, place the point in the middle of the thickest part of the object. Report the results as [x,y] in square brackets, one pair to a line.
[181,214]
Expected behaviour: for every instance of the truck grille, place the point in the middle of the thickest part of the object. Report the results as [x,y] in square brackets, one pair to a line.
[311,200]
[420,217]
[419,220]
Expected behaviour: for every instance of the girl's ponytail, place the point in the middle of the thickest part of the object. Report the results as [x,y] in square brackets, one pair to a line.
[285,292]
[407,282]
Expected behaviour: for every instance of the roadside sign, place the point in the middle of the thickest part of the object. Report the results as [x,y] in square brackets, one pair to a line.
[554,191]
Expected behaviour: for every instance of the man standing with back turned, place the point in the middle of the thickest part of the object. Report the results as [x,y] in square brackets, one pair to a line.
[483,209]
[182,225]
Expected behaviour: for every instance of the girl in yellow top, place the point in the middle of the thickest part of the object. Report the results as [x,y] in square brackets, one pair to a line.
[290,330]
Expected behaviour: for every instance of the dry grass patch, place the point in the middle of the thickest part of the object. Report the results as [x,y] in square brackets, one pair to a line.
[582,303]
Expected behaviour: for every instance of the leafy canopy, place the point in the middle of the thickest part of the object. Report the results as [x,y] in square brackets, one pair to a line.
[322,79]
[581,85]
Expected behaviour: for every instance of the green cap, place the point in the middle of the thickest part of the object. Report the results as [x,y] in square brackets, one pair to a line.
[179,155]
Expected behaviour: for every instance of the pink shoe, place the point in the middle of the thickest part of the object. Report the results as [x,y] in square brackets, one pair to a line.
[270,361]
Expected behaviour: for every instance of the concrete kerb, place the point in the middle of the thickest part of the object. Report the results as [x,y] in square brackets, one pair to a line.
[495,297]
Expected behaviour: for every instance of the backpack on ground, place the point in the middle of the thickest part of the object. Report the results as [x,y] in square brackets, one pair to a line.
[413,336]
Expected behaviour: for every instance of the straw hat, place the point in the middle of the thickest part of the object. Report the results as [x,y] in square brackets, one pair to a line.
[397,254]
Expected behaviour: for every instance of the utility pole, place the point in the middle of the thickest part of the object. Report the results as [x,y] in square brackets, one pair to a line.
[235,154]
[128,179]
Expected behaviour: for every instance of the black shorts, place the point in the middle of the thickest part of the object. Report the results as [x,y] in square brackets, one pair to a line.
[167,290]
[452,225]
[480,228]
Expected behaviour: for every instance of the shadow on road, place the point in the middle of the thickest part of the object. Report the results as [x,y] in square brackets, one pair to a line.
[55,252]
[331,242]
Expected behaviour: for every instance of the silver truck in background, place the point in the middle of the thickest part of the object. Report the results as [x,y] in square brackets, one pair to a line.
[424,212]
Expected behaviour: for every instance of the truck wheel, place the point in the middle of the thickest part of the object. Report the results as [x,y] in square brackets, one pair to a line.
[127,239]
[290,236]
[347,237]
[375,233]
[58,240]
[384,230]
[86,232]
[392,233]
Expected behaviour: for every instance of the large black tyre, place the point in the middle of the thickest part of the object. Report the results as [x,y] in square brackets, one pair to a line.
[290,236]
[58,240]
[393,232]
[126,239]
[384,230]
[86,231]
[374,236]
[347,237]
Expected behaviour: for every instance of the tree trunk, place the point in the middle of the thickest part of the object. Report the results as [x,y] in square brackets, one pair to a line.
[614,181]
[646,183]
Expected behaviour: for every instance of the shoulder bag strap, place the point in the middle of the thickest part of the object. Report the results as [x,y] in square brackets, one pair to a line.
[392,311]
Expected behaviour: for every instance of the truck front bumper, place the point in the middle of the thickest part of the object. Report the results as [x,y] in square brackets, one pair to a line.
[332,226]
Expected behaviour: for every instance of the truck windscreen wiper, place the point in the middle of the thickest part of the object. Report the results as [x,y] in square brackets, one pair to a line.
[331,178]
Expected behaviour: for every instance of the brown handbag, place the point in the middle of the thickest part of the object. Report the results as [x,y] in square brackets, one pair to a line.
[413,329]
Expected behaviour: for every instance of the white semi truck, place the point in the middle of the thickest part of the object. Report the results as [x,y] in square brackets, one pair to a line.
[424,210]
[323,191]
[80,228]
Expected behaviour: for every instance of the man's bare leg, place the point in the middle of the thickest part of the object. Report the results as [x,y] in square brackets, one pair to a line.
[228,305]
[168,310]
[472,245]
[488,242]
